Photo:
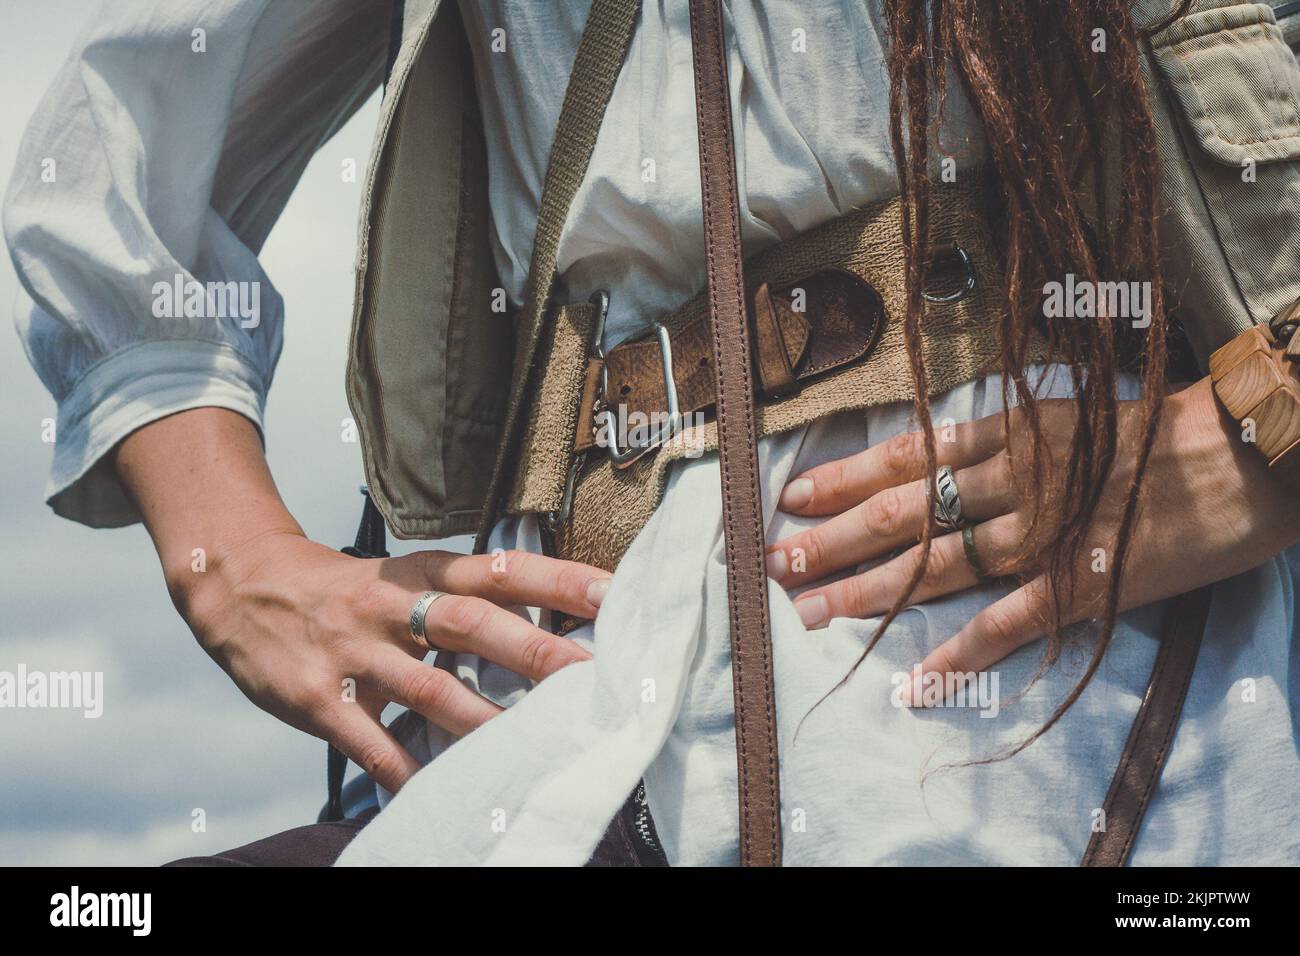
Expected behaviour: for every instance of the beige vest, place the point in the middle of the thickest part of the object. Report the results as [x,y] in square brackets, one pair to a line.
[429,369]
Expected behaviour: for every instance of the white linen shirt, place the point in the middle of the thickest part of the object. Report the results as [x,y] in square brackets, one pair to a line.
[185,169]
[539,783]
[147,160]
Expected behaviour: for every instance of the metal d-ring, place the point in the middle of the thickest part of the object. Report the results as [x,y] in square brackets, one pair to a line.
[966,289]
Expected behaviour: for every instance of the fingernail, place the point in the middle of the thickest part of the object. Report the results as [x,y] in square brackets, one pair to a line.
[597,590]
[812,611]
[796,494]
[777,564]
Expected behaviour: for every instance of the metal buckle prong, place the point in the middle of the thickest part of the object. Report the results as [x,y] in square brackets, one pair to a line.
[624,457]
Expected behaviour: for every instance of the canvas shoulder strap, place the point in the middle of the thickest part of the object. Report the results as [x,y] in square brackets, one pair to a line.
[742,514]
[596,66]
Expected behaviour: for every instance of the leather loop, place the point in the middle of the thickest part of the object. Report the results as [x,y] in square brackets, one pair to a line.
[774,365]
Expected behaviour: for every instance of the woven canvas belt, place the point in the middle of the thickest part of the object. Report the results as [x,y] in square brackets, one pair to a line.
[824,311]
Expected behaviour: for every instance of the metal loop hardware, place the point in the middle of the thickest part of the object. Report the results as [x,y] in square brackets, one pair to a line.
[624,457]
[966,288]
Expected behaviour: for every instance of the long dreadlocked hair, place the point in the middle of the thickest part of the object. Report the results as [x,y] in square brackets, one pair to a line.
[1060,118]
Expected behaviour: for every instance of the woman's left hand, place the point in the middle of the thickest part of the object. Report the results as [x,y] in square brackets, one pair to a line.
[1210,510]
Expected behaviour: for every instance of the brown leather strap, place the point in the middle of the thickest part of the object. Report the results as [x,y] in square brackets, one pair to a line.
[806,329]
[742,513]
[1152,734]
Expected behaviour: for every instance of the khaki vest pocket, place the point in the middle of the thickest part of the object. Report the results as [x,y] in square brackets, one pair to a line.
[1233,86]
[1235,81]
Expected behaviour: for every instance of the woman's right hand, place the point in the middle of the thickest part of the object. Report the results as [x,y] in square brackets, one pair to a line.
[320,639]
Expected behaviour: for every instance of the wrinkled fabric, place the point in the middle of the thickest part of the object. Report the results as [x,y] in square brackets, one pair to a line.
[863,781]
[151,161]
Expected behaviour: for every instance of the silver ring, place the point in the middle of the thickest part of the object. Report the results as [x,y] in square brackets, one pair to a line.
[972,556]
[947,500]
[419,612]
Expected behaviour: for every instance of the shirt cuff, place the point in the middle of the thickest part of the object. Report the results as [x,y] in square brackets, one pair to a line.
[129,389]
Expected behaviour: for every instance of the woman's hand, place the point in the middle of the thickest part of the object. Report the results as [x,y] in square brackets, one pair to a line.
[320,639]
[1210,510]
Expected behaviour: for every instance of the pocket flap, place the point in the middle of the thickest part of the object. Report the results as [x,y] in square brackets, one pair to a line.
[1235,81]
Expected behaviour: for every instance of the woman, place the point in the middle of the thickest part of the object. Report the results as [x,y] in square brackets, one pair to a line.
[836,108]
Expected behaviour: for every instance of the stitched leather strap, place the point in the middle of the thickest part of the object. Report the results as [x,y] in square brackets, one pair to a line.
[742,517]
[1149,741]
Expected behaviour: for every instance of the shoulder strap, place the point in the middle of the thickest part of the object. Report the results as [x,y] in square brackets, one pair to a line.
[742,518]
[596,66]
[1153,729]
[372,542]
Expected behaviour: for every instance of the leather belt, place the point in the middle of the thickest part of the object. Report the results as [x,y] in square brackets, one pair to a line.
[799,332]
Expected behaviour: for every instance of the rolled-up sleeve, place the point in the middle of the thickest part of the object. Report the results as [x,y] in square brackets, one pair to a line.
[144,189]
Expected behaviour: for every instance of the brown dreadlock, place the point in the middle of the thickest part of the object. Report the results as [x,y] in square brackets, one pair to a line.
[1073,152]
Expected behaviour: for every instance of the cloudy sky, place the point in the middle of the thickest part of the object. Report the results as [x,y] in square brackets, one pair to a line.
[175,735]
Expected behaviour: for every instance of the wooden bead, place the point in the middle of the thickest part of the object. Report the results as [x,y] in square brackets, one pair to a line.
[1244,385]
[1277,422]
[1284,325]
[1257,382]
[1238,350]
[1293,347]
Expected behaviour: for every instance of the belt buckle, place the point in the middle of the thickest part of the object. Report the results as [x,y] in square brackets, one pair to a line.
[626,457]
[620,457]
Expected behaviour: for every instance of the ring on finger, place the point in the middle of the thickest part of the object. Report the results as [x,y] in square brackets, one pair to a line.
[419,611]
[947,499]
[972,556]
